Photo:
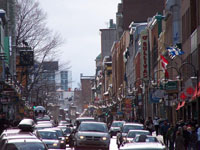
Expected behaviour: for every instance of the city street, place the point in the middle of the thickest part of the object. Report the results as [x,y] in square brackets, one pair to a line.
[113,145]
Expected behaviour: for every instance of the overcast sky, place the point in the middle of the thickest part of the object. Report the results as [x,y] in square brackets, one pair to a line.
[78,22]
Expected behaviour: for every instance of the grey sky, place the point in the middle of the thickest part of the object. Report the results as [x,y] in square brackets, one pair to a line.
[78,22]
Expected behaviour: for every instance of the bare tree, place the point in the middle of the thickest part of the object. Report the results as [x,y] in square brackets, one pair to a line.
[31,30]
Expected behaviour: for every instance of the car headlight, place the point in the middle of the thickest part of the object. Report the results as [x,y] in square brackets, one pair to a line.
[67,138]
[55,144]
[104,138]
[81,137]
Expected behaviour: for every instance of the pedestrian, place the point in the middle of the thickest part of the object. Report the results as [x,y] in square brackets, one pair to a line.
[149,124]
[198,138]
[171,137]
[156,125]
[164,128]
[186,136]
[193,139]
[179,141]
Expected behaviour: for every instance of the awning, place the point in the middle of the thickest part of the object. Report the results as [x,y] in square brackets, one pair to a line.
[178,107]
[196,93]
[182,104]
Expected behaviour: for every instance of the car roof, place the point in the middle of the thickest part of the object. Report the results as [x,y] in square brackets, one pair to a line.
[20,136]
[82,118]
[54,128]
[46,130]
[136,124]
[118,121]
[93,122]
[44,125]
[138,131]
[24,140]
[144,145]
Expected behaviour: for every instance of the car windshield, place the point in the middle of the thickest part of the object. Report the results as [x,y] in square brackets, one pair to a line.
[67,130]
[131,127]
[60,133]
[117,124]
[93,127]
[25,146]
[48,135]
[133,134]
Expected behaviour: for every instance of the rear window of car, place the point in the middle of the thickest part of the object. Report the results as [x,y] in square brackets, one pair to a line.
[126,128]
[133,134]
[117,124]
[25,146]
[93,127]
[48,135]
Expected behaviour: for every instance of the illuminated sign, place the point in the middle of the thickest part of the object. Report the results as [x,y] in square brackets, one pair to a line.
[144,53]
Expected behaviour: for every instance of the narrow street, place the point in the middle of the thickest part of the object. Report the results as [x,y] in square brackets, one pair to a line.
[113,145]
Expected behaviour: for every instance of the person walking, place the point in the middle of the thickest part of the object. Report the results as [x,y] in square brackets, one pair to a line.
[156,125]
[198,138]
[193,139]
[171,137]
[149,125]
[179,141]
[186,136]
[164,128]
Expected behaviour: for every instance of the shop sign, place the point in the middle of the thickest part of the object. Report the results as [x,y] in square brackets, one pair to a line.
[170,85]
[144,54]
[5,100]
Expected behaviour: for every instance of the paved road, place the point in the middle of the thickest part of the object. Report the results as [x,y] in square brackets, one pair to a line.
[113,145]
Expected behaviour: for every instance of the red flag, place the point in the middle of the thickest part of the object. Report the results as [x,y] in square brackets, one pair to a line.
[164,62]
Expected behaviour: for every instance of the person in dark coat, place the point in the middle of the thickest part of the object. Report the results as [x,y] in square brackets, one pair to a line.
[164,128]
[179,141]
[186,136]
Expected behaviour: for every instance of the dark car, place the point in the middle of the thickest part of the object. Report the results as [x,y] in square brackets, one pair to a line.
[67,133]
[50,138]
[61,136]
[125,129]
[24,144]
[116,127]
[92,135]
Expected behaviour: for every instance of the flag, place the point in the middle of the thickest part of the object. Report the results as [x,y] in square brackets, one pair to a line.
[164,63]
[174,51]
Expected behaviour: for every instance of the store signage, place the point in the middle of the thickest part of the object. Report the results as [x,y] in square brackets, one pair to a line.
[144,54]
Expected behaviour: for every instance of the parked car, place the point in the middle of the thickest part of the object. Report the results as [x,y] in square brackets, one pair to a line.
[92,135]
[24,144]
[116,127]
[133,133]
[50,138]
[125,129]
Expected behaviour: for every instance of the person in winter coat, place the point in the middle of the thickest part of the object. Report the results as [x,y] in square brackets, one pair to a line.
[164,128]
[193,139]
[179,141]
[171,137]
[186,136]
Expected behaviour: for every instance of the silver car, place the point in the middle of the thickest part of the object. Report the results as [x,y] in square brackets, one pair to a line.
[92,135]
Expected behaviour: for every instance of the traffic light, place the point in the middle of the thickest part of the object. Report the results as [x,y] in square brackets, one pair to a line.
[34,107]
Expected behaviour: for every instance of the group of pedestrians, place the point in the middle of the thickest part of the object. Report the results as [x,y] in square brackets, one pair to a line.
[182,136]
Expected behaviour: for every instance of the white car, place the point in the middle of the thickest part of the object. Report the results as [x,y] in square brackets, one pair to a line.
[133,133]
[143,146]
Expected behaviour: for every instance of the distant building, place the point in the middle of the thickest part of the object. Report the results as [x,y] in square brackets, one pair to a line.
[64,80]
